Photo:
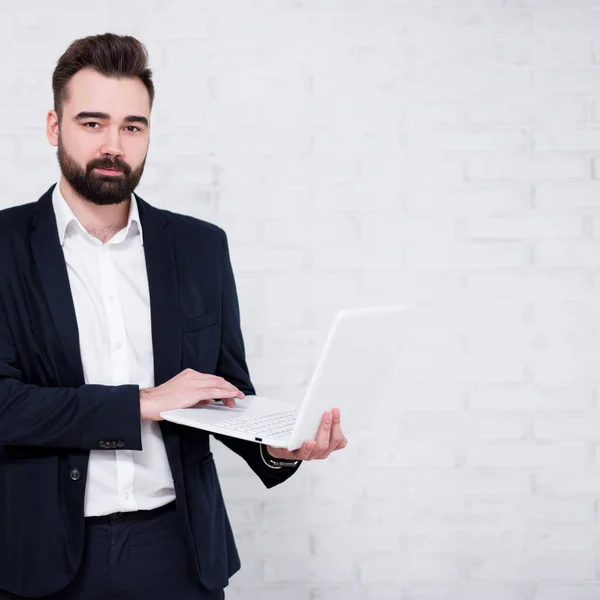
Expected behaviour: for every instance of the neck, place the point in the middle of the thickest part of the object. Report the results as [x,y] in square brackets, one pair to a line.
[102,222]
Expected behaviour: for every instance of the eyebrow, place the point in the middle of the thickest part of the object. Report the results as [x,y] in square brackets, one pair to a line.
[106,117]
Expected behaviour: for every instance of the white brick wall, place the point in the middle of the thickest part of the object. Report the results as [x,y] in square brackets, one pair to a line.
[357,152]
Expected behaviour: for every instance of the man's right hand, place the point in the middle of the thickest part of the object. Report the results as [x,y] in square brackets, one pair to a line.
[188,388]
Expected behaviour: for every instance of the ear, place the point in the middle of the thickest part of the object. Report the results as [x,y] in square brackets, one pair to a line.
[52,127]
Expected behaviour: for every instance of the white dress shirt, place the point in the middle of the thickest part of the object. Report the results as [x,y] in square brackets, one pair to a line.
[109,285]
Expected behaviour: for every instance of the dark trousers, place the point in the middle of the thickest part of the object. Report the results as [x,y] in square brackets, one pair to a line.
[134,559]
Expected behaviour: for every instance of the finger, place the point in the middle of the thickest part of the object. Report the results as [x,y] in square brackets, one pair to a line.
[208,380]
[216,381]
[343,443]
[305,451]
[336,430]
[302,453]
[230,402]
[215,393]
[323,436]
[203,403]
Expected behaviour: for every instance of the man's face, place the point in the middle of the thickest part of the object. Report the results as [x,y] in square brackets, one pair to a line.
[103,136]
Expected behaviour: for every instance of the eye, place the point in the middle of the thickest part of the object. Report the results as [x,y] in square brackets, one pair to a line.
[132,127]
[90,124]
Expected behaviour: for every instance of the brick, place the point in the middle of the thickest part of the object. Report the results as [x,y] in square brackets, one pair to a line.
[565,21]
[568,567]
[524,227]
[378,225]
[429,397]
[546,167]
[466,482]
[427,142]
[268,592]
[526,397]
[574,253]
[470,200]
[355,539]
[544,512]
[555,539]
[465,255]
[568,428]
[464,591]
[261,540]
[575,591]
[559,52]
[571,481]
[454,25]
[392,285]
[430,113]
[386,567]
[398,170]
[493,340]
[255,258]
[410,453]
[526,109]
[371,483]
[301,569]
[374,254]
[560,367]
[311,514]
[567,197]
[565,283]
[441,83]
[525,454]
[464,540]
[322,592]
[566,140]
[578,80]
[461,426]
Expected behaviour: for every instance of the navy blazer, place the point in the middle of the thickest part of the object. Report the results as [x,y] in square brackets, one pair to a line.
[50,419]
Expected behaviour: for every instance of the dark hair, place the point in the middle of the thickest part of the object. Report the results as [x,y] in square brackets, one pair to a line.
[117,56]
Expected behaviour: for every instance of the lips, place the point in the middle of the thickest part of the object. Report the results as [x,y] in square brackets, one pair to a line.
[109,171]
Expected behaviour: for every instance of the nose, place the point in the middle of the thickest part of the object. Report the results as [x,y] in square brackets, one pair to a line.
[111,144]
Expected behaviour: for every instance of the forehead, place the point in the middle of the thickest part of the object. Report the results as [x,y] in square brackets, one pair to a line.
[89,90]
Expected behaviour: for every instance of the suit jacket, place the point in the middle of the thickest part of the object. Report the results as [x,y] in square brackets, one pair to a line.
[50,419]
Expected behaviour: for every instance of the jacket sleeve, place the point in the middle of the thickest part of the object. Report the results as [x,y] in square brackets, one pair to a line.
[81,417]
[233,368]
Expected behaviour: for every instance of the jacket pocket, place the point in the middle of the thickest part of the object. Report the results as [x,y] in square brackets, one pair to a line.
[191,324]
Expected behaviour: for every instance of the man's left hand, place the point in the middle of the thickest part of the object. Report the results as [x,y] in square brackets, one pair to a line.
[329,438]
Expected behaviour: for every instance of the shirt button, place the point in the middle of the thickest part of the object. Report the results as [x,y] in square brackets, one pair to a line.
[118,345]
[75,474]
[111,298]
[126,496]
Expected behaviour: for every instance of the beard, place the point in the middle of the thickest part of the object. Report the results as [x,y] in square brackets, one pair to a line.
[102,190]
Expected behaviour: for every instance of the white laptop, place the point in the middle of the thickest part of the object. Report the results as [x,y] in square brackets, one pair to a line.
[361,348]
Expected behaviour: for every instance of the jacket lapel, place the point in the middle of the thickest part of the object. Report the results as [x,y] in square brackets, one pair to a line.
[50,262]
[161,266]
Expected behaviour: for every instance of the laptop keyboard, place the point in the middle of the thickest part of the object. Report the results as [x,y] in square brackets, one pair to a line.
[273,425]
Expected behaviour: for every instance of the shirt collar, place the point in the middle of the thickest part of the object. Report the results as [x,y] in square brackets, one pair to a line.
[65,216]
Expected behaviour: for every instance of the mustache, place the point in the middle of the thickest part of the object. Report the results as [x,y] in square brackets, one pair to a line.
[107,163]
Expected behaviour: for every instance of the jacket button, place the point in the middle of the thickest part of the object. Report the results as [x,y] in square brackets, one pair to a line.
[113,445]
[120,444]
[101,444]
[75,474]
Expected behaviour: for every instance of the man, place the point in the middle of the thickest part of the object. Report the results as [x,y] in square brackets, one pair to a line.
[112,311]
